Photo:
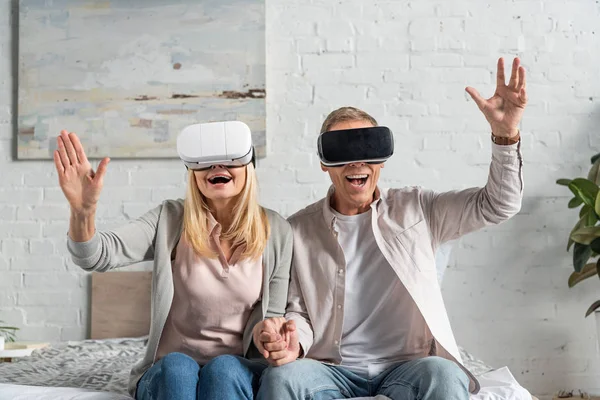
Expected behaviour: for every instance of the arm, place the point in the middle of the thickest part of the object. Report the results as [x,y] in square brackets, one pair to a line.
[296,311]
[453,214]
[278,286]
[279,339]
[128,244]
[81,185]
[270,335]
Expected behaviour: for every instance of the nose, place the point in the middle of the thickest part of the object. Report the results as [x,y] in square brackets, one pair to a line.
[217,166]
[357,164]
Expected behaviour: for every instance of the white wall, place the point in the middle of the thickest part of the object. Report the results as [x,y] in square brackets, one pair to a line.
[407,63]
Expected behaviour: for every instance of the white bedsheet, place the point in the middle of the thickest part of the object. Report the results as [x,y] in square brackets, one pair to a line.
[500,384]
[495,385]
[21,392]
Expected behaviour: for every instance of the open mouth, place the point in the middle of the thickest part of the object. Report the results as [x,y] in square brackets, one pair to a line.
[357,180]
[219,179]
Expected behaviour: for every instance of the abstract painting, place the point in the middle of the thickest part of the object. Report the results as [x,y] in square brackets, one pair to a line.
[128,75]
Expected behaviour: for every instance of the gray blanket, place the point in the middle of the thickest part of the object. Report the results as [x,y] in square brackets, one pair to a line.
[102,365]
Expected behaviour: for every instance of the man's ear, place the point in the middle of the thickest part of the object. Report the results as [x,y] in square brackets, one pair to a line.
[324,168]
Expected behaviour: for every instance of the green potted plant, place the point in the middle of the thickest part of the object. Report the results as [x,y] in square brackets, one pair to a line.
[7,333]
[585,235]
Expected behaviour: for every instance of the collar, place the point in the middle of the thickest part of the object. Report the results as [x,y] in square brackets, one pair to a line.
[328,214]
[213,226]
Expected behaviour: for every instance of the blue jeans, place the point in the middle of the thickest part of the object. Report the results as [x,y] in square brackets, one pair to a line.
[179,377]
[430,378]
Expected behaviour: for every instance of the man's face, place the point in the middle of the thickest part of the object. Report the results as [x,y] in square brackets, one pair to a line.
[354,183]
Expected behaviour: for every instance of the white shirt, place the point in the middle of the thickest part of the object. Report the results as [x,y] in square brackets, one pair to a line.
[382,324]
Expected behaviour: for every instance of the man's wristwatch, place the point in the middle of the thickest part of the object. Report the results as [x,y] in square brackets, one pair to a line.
[506,140]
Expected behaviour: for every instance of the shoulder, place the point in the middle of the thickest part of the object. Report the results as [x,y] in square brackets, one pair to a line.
[172,208]
[402,192]
[308,213]
[277,224]
[281,239]
[275,219]
[407,194]
[404,204]
[173,204]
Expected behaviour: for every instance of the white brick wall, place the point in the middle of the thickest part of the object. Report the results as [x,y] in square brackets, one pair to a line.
[407,63]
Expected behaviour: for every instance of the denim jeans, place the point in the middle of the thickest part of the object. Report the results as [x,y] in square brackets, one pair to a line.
[430,378]
[179,377]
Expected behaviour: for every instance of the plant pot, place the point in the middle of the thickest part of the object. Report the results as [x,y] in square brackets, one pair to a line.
[1,342]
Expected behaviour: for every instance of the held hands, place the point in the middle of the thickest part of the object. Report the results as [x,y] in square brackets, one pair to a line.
[504,109]
[78,181]
[277,340]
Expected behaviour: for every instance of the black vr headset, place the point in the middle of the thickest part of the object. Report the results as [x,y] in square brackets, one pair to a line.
[373,145]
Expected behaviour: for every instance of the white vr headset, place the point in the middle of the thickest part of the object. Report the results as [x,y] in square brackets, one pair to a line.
[229,143]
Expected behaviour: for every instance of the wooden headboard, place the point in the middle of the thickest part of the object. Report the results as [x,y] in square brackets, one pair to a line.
[121,304]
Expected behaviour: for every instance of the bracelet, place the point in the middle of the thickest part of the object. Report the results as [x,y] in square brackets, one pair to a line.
[505,141]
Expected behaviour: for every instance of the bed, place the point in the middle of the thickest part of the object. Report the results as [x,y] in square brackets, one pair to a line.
[98,369]
[99,365]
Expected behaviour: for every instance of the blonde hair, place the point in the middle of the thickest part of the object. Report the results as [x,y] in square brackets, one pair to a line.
[249,225]
[344,114]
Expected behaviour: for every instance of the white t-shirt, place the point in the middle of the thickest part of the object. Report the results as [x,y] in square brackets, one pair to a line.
[382,324]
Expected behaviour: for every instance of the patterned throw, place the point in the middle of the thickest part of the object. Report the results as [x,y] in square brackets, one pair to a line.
[102,365]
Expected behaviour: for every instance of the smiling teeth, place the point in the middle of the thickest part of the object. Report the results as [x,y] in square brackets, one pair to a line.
[357,176]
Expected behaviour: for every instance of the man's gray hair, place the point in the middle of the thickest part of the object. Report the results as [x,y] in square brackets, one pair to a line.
[345,114]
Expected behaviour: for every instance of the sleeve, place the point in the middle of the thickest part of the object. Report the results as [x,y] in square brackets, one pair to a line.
[278,286]
[126,245]
[296,311]
[456,213]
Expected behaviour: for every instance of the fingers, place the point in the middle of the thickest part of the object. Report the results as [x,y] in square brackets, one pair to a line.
[290,326]
[278,355]
[261,348]
[522,87]
[500,79]
[64,135]
[257,342]
[269,326]
[523,96]
[514,75]
[101,171]
[522,80]
[274,325]
[268,337]
[62,152]
[60,168]
[480,101]
[290,332]
[291,336]
[275,346]
[78,148]
[279,361]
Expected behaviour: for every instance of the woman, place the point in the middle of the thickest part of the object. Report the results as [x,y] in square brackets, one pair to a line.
[221,266]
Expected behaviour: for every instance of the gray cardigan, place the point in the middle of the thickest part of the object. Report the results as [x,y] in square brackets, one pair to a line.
[153,236]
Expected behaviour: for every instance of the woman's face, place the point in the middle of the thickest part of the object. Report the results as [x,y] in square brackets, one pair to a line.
[220,183]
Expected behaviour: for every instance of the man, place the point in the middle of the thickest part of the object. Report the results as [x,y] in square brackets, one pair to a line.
[365,311]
